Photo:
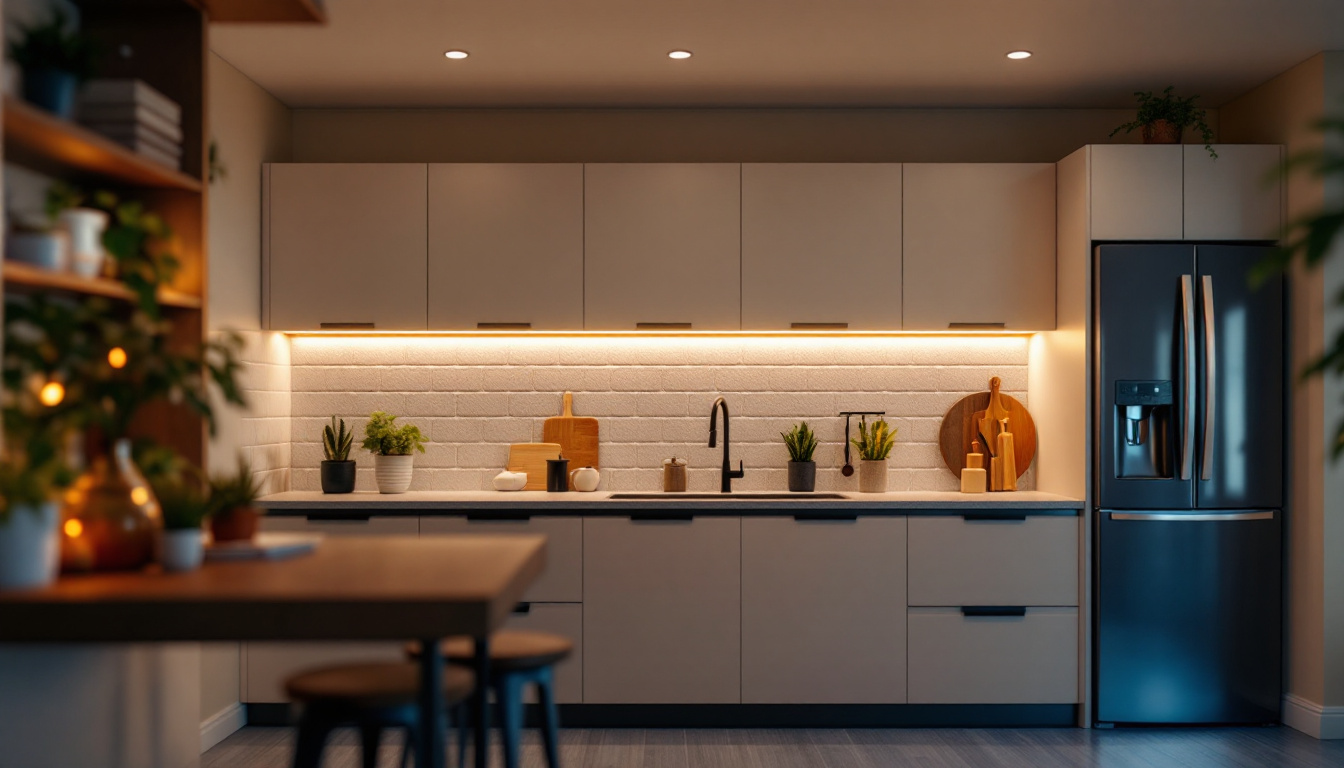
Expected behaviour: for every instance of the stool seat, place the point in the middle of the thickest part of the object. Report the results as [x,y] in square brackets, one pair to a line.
[374,685]
[510,650]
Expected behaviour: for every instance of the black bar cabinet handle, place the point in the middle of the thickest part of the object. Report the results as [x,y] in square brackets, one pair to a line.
[663,517]
[507,517]
[803,517]
[993,610]
[348,326]
[980,517]
[522,609]
[338,517]
[503,326]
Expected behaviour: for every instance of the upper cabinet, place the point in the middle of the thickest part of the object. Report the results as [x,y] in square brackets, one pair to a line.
[1179,192]
[979,247]
[344,246]
[821,246]
[1236,196]
[662,246]
[506,246]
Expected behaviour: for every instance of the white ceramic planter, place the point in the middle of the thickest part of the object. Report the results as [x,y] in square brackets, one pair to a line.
[86,227]
[48,250]
[393,473]
[29,547]
[182,550]
[873,476]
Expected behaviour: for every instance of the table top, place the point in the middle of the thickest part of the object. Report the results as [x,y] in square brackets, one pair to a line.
[350,588]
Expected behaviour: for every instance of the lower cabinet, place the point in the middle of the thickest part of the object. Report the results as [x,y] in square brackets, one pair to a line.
[965,659]
[562,581]
[823,611]
[662,611]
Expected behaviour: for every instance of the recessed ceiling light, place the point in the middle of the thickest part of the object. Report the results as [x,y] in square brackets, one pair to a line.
[678,54]
[456,54]
[1019,54]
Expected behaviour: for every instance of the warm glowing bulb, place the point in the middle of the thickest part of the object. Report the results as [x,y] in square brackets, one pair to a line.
[116,357]
[456,54]
[1019,54]
[140,496]
[52,394]
[679,54]
[74,528]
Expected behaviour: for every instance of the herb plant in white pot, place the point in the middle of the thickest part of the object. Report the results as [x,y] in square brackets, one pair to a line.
[393,450]
[30,546]
[184,505]
[874,445]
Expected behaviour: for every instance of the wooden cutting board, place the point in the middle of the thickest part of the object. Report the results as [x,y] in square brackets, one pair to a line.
[577,436]
[531,458]
[960,427]
[990,420]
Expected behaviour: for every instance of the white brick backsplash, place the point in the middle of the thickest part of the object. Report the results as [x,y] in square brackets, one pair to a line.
[474,396]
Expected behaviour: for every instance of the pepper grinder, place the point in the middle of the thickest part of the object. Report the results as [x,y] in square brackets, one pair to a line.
[674,475]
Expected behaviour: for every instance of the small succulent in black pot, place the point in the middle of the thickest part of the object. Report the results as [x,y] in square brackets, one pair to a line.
[338,470]
[802,444]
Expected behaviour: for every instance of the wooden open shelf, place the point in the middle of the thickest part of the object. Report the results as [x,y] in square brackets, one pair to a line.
[25,277]
[44,142]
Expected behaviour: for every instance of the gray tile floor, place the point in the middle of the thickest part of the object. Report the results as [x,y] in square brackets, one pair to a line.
[879,748]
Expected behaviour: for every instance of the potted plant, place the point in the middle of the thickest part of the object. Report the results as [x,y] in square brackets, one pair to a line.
[802,443]
[1163,119]
[31,474]
[338,471]
[84,226]
[55,59]
[393,450]
[185,506]
[233,511]
[874,445]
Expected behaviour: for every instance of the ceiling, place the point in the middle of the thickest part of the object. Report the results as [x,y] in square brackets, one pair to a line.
[803,53]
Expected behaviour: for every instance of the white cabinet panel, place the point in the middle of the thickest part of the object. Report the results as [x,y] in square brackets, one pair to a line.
[979,245]
[1137,192]
[345,243]
[1229,198]
[662,245]
[956,659]
[955,561]
[823,611]
[662,611]
[506,245]
[562,581]
[821,244]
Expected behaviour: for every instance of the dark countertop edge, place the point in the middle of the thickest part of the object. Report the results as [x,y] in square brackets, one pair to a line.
[837,510]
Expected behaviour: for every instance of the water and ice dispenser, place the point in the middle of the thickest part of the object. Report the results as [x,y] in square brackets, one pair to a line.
[1145,429]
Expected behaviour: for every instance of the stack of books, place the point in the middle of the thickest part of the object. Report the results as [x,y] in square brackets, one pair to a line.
[134,115]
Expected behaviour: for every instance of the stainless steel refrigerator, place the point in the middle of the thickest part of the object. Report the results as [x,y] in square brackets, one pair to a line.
[1189,471]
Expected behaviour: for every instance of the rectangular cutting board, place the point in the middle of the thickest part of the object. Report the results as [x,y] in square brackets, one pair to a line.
[577,436]
[531,458]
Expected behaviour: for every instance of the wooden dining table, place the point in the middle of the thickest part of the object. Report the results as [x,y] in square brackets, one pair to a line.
[385,588]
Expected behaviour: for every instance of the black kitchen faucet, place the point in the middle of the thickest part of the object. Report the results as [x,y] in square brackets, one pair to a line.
[728,473]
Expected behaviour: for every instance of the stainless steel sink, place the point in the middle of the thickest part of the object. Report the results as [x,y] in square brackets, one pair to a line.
[727,497]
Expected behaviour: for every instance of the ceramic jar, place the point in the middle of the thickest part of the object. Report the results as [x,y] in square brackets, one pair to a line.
[86,227]
[393,473]
[873,476]
[584,479]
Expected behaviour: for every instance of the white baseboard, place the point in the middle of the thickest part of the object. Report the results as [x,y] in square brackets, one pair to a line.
[1313,719]
[221,725]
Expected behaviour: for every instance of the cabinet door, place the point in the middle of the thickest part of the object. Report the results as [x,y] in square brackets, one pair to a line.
[266,665]
[823,611]
[821,245]
[506,246]
[345,245]
[1136,192]
[562,581]
[662,611]
[956,561]
[1228,198]
[979,246]
[960,659]
[662,246]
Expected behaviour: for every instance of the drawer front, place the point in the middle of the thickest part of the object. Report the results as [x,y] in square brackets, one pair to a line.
[956,659]
[562,581]
[370,526]
[561,619]
[956,561]
[266,666]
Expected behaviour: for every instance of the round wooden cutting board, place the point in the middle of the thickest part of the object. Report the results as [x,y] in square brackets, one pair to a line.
[959,429]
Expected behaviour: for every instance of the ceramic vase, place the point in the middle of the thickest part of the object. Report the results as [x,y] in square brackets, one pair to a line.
[873,476]
[86,227]
[29,546]
[802,476]
[393,473]
[182,550]
[117,516]
[51,89]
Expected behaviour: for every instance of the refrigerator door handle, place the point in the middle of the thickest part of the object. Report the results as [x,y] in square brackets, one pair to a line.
[1188,377]
[1186,517]
[1210,380]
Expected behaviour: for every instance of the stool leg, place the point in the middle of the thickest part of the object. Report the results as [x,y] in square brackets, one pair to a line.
[460,717]
[509,690]
[370,736]
[550,721]
[309,741]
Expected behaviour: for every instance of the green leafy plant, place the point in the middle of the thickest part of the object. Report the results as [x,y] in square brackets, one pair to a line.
[60,197]
[801,441]
[336,441]
[874,443]
[383,438]
[55,45]
[1180,111]
[33,470]
[237,490]
[183,499]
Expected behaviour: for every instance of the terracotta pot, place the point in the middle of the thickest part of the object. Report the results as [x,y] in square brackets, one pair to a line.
[116,514]
[1161,132]
[873,476]
[239,524]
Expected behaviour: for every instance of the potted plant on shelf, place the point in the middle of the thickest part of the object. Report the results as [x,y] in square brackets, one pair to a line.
[32,473]
[233,509]
[185,506]
[338,470]
[1163,119]
[802,443]
[874,445]
[55,59]
[393,450]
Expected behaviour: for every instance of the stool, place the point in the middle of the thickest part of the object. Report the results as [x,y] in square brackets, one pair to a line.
[517,658]
[371,696]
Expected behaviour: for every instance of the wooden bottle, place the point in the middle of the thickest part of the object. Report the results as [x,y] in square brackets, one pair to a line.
[1007,459]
